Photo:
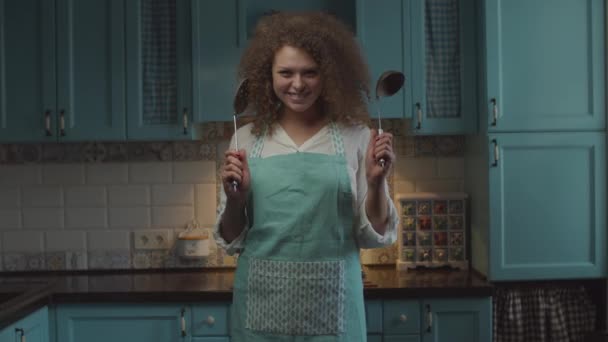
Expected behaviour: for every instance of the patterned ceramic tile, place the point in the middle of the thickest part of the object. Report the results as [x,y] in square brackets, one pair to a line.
[150,259]
[24,262]
[76,260]
[55,261]
[110,259]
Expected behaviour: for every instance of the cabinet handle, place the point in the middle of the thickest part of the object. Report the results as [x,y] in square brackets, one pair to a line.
[47,123]
[496,153]
[210,320]
[429,318]
[494,111]
[183,322]
[419,115]
[185,120]
[22,332]
[403,318]
[62,123]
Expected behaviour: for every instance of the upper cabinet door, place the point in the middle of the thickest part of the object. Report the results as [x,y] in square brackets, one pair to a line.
[27,71]
[545,65]
[443,71]
[383,37]
[90,70]
[159,89]
[547,205]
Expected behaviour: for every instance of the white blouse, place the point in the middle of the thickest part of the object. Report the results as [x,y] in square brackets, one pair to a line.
[356,139]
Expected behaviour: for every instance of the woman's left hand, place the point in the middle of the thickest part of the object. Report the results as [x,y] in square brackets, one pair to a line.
[379,147]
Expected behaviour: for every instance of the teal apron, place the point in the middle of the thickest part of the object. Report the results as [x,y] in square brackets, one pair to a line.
[299,277]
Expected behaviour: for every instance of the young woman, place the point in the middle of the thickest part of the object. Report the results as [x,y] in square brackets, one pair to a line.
[311,191]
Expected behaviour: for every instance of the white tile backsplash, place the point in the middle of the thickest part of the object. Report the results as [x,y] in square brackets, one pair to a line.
[150,172]
[62,174]
[42,196]
[107,173]
[129,195]
[171,217]
[194,172]
[86,218]
[78,216]
[85,196]
[59,241]
[20,174]
[173,194]
[43,218]
[10,197]
[206,204]
[416,168]
[23,242]
[129,218]
[450,168]
[10,219]
[108,240]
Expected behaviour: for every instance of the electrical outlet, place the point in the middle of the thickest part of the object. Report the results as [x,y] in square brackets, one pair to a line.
[152,239]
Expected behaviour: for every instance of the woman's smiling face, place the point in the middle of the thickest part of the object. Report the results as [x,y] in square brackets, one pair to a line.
[296,80]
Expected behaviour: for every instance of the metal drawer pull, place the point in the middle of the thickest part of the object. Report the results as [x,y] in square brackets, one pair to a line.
[62,123]
[47,123]
[185,119]
[494,111]
[429,318]
[183,321]
[22,332]
[210,320]
[403,318]
[496,153]
[419,115]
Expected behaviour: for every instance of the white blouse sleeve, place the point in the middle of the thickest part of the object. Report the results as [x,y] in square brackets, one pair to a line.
[366,235]
[236,245]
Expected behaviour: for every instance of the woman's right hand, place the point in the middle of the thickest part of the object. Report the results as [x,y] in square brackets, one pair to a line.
[236,169]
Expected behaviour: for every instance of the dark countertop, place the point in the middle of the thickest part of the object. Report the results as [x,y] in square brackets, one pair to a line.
[31,291]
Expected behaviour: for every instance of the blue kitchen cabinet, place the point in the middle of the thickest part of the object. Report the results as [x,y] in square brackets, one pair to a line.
[210,339]
[27,71]
[384,37]
[32,328]
[442,53]
[62,74]
[448,320]
[159,70]
[122,322]
[538,205]
[401,338]
[545,65]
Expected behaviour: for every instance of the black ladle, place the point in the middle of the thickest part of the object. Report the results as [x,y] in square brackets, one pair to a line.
[389,83]
[239,105]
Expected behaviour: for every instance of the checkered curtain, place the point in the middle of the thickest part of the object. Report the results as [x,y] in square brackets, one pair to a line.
[159,61]
[543,315]
[442,32]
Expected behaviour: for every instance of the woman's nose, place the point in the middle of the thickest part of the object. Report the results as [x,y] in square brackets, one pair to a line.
[297,82]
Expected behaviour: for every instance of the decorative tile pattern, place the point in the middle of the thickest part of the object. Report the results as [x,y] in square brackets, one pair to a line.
[110,259]
[24,262]
[106,152]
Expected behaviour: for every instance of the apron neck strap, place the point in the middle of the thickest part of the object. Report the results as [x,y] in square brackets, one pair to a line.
[334,131]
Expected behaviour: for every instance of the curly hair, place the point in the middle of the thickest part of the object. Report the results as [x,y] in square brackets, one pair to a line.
[343,69]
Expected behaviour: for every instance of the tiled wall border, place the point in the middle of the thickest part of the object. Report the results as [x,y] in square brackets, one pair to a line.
[204,149]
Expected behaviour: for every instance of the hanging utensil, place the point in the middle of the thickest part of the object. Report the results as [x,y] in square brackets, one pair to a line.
[239,105]
[389,83]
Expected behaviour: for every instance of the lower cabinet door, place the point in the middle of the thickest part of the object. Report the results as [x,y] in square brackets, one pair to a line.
[448,320]
[32,328]
[211,339]
[374,338]
[122,322]
[402,338]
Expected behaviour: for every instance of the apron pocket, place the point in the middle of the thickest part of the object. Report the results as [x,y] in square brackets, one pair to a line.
[296,298]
